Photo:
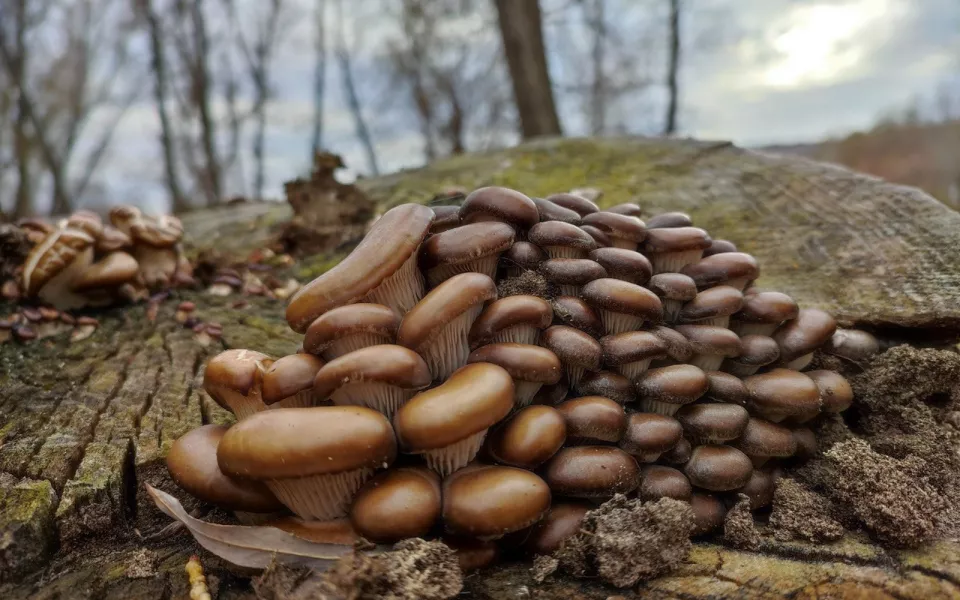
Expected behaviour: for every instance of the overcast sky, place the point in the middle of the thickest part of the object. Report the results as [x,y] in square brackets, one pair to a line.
[756,72]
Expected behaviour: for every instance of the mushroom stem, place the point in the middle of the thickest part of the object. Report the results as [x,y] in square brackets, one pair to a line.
[659,407]
[567,289]
[633,370]
[745,329]
[450,350]
[521,334]
[448,459]
[799,364]
[574,374]
[486,265]
[674,262]
[565,252]
[382,397]
[707,362]
[623,243]
[402,290]
[671,309]
[716,321]
[302,399]
[740,283]
[615,322]
[320,497]
[349,343]
[524,391]
[734,368]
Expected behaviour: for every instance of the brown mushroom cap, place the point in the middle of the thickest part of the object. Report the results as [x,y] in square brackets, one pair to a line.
[675,385]
[721,268]
[465,244]
[673,286]
[608,384]
[663,482]
[574,312]
[561,523]
[334,531]
[759,489]
[352,319]
[52,256]
[676,239]
[574,202]
[762,439]
[618,226]
[558,233]
[445,218]
[162,232]
[669,219]
[113,270]
[529,438]
[853,345]
[443,304]
[718,468]
[571,271]
[724,387]
[500,204]
[767,307]
[708,339]
[592,472]
[756,351]
[712,423]
[677,346]
[811,329]
[470,401]
[550,395]
[679,454]
[385,363]
[630,209]
[573,346]
[400,503]
[296,442]
[622,297]
[623,264]
[602,239]
[806,441]
[391,241]
[719,247]
[288,376]
[524,362]
[631,346]
[593,419]
[836,395]
[512,311]
[782,393]
[709,512]
[524,255]
[233,373]
[192,462]
[472,554]
[550,211]
[720,301]
[648,435]
[489,502]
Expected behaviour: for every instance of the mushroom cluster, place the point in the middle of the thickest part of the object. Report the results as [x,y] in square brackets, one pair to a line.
[83,261]
[434,393]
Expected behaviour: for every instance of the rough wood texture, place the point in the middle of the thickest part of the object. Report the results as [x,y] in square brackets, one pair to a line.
[84,425]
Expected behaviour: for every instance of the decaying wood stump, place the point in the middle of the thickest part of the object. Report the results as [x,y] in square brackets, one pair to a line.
[84,425]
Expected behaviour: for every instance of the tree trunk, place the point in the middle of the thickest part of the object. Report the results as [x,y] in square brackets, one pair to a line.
[21,140]
[319,74]
[158,64]
[522,33]
[202,92]
[598,95]
[670,127]
[353,99]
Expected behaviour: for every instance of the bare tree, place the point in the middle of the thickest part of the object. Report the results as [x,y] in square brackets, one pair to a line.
[598,94]
[16,68]
[350,89]
[673,67]
[522,32]
[319,73]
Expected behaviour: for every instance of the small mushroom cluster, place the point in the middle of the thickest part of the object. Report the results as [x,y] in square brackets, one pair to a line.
[83,261]
[435,394]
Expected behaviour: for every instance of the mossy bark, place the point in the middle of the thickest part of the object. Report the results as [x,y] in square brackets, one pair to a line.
[84,425]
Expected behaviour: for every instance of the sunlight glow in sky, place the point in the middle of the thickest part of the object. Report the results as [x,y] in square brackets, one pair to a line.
[818,44]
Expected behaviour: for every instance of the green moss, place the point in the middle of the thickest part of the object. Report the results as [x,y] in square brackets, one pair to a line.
[312,267]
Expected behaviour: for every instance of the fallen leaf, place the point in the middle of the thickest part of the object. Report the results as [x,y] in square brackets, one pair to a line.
[251,546]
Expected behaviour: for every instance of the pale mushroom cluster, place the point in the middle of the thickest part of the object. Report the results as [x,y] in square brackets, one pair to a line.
[82,261]
[435,395]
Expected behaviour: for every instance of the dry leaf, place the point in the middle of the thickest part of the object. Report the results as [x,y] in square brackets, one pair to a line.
[252,547]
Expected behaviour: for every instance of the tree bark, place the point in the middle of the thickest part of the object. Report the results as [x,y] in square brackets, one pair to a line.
[670,127]
[21,140]
[353,99]
[598,93]
[201,92]
[319,74]
[158,64]
[522,32]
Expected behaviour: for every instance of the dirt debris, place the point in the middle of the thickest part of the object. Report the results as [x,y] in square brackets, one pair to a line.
[527,283]
[414,570]
[142,565]
[543,567]
[626,541]
[738,528]
[799,513]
